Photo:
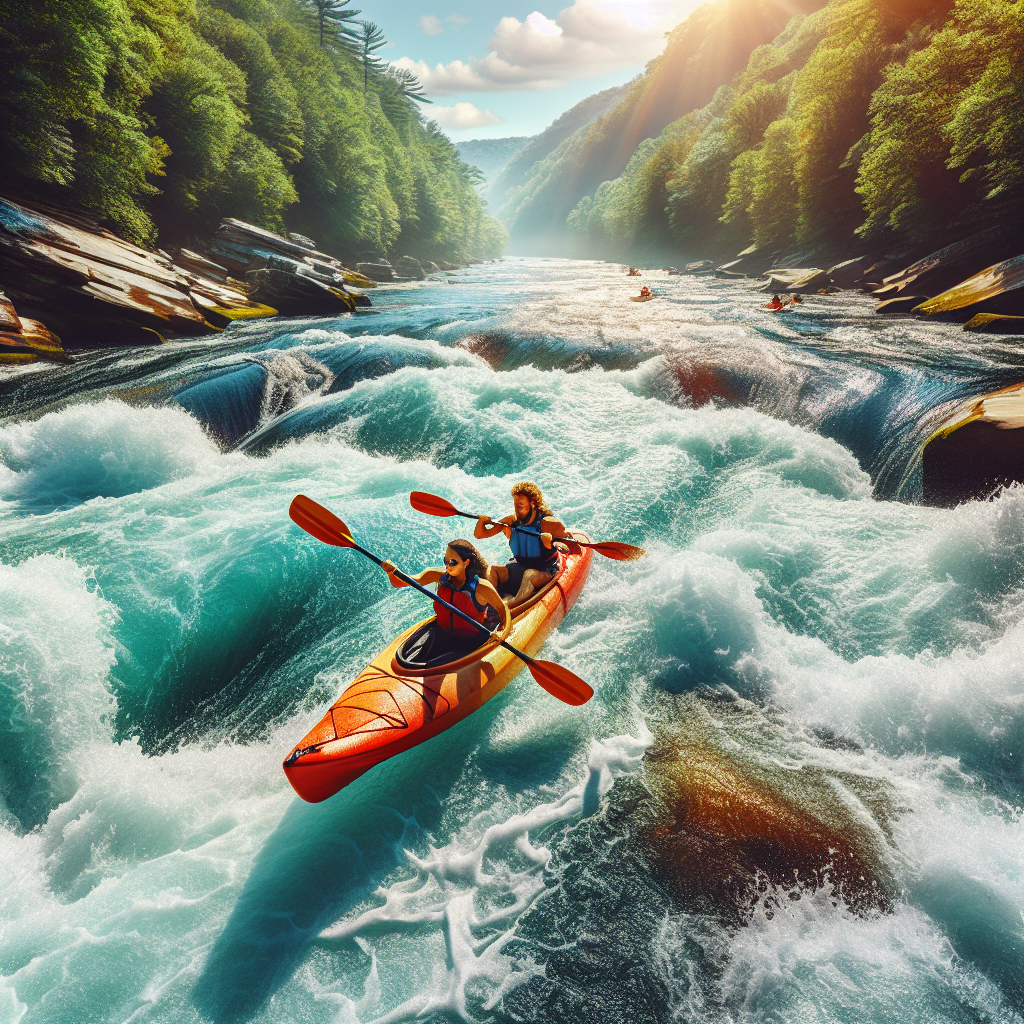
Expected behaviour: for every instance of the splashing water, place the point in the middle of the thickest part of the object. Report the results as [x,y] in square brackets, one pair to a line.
[833,657]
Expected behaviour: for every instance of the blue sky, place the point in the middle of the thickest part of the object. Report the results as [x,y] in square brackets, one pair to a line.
[503,67]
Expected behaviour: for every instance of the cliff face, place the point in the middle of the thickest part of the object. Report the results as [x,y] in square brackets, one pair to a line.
[701,55]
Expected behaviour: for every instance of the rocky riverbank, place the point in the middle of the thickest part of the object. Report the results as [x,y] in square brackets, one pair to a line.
[977,281]
[66,283]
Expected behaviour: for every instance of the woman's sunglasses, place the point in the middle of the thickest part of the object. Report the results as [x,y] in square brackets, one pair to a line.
[451,562]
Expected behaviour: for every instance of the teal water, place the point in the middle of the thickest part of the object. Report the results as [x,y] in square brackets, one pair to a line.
[167,635]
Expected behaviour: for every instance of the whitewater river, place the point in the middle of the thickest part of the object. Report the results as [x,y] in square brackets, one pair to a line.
[795,795]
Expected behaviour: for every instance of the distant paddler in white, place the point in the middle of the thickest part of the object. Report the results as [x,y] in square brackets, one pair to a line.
[534,555]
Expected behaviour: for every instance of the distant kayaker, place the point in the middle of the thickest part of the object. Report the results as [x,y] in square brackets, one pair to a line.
[462,582]
[633,272]
[645,292]
[776,303]
[534,557]
[795,300]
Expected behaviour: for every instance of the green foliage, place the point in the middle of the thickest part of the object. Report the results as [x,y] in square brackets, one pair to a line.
[947,126]
[172,114]
[877,116]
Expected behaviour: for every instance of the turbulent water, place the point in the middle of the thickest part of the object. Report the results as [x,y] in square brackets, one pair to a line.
[842,660]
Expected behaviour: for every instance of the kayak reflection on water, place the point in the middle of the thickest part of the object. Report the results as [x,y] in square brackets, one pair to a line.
[530,533]
[463,582]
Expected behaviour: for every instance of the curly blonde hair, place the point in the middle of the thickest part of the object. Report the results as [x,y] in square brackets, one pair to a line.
[531,491]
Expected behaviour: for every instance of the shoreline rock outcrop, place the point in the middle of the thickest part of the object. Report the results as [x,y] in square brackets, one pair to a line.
[70,283]
[940,270]
[978,449]
[996,289]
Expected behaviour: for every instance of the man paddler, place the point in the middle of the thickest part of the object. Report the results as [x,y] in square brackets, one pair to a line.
[534,556]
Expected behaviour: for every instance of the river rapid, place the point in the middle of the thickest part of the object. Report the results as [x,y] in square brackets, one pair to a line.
[803,629]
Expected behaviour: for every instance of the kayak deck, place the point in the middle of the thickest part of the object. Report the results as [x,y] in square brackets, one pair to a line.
[389,709]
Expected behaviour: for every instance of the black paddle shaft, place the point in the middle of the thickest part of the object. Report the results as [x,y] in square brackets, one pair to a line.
[440,600]
[522,529]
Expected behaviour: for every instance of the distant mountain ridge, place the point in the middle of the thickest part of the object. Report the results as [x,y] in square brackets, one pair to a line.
[517,171]
[491,155]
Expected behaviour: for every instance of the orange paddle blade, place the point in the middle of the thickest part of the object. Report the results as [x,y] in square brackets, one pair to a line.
[320,522]
[432,504]
[560,682]
[619,551]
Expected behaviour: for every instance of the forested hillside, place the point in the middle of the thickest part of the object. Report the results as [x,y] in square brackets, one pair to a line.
[161,118]
[888,120]
[518,169]
[701,54]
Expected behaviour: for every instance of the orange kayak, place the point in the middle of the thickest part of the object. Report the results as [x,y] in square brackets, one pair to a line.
[392,707]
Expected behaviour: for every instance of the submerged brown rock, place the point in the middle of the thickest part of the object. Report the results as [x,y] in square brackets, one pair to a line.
[733,820]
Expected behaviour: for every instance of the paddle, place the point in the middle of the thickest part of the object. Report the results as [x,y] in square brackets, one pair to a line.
[327,527]
[435,506]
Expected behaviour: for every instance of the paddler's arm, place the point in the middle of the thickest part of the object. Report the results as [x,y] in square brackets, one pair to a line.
[552,528]
[487,527]
[425,577]
[486,594]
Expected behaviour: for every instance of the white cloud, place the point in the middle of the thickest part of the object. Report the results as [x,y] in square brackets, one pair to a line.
[589,38]
[431,24]
[463,115]
[458,19]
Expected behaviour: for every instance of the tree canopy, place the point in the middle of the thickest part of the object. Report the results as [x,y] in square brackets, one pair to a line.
[163,118]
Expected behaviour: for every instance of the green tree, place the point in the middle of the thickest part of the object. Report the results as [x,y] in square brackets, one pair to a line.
[368,40]
[332,18]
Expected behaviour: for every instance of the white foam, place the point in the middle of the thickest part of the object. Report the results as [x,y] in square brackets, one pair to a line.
[468,889]
[105,449]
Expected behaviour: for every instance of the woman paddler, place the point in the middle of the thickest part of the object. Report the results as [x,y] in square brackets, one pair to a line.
[534,556]
[463,583]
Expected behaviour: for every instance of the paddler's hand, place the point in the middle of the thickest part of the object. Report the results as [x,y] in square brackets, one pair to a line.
[484,520]
[388,567]
[546,539]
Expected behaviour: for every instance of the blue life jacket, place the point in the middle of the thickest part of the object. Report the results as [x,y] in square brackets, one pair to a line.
[527,547]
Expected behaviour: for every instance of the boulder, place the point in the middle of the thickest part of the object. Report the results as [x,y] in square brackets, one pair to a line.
[752,262]
[941,270]
[297,289]
[995,323]
[91,286]
[977,449]
[904,304]
[307,243]
[850,274]
[802,280]
[25,341]
[409,269]
[700,267]
[997,289]
[382,271]
[432,268]
[875,274]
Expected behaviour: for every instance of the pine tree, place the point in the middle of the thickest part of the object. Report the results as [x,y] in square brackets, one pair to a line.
[369,39]
[331,21]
